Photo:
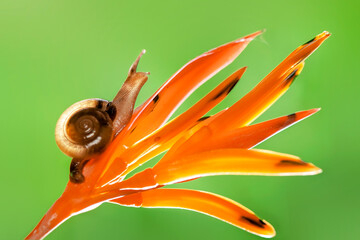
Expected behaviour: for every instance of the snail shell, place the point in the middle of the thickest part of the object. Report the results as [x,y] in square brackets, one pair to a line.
[85,128]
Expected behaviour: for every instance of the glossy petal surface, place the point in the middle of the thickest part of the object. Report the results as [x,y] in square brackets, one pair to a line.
[197,147]
[203,202]
[231,162]
[157,109]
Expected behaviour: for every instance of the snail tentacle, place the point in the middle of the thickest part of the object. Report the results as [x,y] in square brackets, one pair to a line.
[124,100]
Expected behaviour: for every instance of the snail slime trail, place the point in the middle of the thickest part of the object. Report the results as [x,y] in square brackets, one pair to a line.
[87,127]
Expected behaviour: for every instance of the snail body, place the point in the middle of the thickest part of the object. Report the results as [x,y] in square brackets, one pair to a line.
[87,127]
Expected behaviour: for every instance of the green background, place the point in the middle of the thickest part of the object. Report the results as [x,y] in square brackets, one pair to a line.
[54,53]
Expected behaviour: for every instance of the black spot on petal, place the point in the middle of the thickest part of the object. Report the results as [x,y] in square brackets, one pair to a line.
[311,40]
[227,89]
[203,118]
[292,117]
[232,85]
[133,129]
[257,222]
[291,75]
[156,98]
[291,162]
[262,222]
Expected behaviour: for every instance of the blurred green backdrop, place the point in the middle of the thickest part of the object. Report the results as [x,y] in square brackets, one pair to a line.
[54,53]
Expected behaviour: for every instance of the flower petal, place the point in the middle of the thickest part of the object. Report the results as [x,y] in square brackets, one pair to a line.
[250,136]
[245,137]
[158,108]
[167,135]
[208,203]
[231,162]
[268,90]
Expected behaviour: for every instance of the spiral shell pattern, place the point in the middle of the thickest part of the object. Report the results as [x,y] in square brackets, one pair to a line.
[85,128]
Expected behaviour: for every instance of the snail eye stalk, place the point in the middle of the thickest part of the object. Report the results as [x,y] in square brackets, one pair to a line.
[109,139]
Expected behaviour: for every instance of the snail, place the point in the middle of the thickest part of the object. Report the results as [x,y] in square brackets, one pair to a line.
[87,127]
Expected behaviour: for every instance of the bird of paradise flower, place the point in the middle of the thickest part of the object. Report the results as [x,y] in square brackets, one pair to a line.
[196,146]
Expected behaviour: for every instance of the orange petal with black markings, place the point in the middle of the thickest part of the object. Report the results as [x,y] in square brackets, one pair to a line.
[78,198]
[163,103]
[210,204]
[245,137]
[269,89]
[166,136]
[255,102]
[231,162]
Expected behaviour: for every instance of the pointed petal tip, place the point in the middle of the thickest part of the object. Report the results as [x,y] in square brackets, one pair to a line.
[316,170]
[311,111]
[322,36]
[325,34]
[307,113]
[255,34]
[270,235]
[270,230]
[318,39]
[249,37]
[237,75]
[240,71]
[312,169]
[259,32]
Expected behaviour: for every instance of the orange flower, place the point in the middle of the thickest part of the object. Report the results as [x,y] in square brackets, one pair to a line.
[197,146]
